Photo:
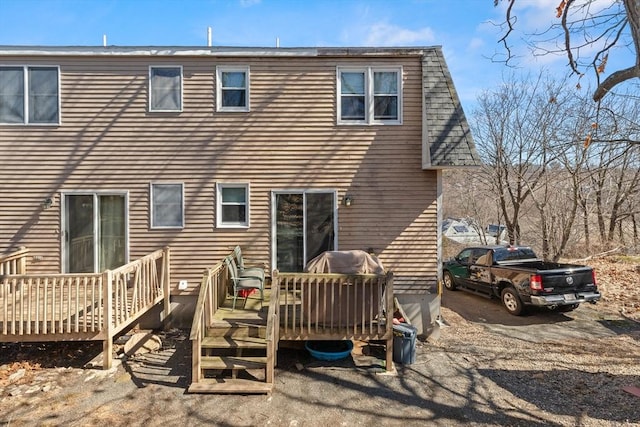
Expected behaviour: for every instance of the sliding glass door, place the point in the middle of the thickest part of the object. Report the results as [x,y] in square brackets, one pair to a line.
[95,232]
[305,226]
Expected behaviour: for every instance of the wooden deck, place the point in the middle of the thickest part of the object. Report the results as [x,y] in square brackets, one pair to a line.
[229,343]
[234,350]
[80,307]
[335,306]
[333,324]
[289,330]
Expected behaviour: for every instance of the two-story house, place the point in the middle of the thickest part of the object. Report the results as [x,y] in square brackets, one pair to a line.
[109,153]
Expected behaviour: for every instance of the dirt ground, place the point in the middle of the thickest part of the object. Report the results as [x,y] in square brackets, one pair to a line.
[485,368]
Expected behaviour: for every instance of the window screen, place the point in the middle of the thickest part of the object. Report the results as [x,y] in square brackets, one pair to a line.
[166,88]
[167,205]
[30,100]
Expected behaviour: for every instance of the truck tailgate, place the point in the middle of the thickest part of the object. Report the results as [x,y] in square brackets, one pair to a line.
[565,281]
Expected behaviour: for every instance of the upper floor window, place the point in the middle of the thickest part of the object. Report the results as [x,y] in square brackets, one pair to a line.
[232,88]
[29,95]
[370,95]
[165,88]
[232,205]
[167,205]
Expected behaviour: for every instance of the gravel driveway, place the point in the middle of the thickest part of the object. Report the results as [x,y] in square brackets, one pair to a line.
[487,368]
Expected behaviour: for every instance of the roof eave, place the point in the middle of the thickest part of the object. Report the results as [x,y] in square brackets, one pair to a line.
[208,51]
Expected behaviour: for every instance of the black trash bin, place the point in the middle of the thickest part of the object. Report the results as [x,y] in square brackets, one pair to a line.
[404,343]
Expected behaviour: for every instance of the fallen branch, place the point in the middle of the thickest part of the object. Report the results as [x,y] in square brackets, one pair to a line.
[600,255]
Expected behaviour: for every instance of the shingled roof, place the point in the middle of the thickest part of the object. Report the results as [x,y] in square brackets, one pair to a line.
[446,138]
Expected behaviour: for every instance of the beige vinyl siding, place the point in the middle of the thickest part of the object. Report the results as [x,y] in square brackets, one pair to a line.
[289,140]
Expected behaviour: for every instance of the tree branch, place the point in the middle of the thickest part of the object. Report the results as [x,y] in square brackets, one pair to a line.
[510,20]
[633,18]
[614,79]
[567,37]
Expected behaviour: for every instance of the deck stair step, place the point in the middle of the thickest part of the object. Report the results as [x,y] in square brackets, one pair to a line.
[233,358]
[228,342]
[236,332]
[236,323]
[230,386]
[233,355]
[233,362]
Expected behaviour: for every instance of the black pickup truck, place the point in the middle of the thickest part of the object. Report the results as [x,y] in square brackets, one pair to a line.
[519,278]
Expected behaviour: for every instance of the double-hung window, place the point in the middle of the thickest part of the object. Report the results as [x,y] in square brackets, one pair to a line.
[369,95]
[232,205]
[165,88]
[167,205]
[232,88]
[29,95]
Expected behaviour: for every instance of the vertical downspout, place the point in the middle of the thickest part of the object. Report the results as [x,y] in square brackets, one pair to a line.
[426,146]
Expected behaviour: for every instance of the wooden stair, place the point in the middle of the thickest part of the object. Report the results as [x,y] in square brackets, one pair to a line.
[233,354]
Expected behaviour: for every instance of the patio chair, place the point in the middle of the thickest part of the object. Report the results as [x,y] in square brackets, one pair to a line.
[244,270]
[242,282]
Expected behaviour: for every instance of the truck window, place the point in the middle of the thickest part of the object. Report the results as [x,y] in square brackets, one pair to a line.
[512,254]
[464,257]
[484,257]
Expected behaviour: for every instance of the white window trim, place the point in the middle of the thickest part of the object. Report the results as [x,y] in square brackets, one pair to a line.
[227,69]
[151,204]
[369,99]
[25,83]
[219,187]
[179,110]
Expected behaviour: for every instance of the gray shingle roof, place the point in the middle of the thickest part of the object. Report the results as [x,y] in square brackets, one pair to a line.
[446,132]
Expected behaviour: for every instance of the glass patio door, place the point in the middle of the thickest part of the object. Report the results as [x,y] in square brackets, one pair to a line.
[305,226]
[95,232]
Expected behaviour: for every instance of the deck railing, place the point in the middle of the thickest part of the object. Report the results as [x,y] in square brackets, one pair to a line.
[137,286]
[131,291]
[210,298]
[14,263]
[335,306]
[51,304]
[82,306]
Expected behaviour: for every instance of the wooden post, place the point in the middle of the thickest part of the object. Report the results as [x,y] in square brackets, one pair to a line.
[23,261]
[166,285]
[271,352]
[389,323]
[107,321]
[195,359]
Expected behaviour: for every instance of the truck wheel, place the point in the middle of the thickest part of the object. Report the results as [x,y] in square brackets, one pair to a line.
[511,301]
[447,278]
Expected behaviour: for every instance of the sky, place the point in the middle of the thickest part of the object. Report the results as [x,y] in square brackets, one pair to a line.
[467,30]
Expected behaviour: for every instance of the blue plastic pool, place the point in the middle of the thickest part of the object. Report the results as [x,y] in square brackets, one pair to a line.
[329,350]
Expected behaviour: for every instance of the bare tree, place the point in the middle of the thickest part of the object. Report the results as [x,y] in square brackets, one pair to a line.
[466,197]
[565,186]
[543,172]
[512,127]
[587,34]
[616,180]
